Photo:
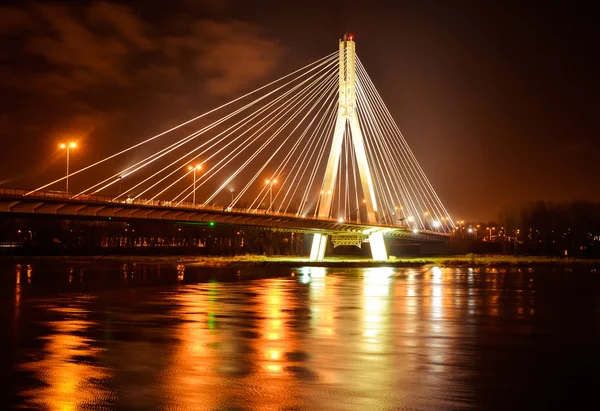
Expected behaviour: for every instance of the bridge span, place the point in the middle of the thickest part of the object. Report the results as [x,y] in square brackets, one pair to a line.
[59,204]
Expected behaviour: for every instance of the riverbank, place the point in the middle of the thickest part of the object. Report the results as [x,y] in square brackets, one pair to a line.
[288,261]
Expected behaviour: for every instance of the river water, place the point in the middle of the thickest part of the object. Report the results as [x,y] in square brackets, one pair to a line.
[105,335]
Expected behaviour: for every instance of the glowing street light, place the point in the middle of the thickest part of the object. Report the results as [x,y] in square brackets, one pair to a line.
[270,183]
[436,224]
[194,168]
[68,146]
[490,229]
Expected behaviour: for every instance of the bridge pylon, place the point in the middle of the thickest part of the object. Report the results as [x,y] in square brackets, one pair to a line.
[347,117]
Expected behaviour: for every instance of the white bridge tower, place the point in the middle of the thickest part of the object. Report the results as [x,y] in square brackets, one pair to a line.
[347,115]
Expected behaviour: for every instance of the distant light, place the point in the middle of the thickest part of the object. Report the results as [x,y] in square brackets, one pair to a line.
[341,220]
[470,230]
[212,223]
[436,223]
[426,213]
[303,215]
[72,145]
[410,218]
[267,181]
[415,231]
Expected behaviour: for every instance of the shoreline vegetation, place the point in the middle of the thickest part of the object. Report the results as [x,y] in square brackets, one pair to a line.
[469,260]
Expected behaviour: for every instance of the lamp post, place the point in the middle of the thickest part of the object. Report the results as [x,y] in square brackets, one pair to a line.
[490,229]
[193,169]
[68,146]
[270,183]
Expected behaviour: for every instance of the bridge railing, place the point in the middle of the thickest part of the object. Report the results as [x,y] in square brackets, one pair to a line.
[61,195]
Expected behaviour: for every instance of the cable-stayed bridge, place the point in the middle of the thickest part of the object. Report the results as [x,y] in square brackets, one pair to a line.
[314,151]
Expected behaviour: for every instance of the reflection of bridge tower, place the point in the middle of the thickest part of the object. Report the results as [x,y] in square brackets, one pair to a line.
[347,118]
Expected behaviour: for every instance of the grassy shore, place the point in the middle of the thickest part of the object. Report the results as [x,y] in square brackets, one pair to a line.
[469,260]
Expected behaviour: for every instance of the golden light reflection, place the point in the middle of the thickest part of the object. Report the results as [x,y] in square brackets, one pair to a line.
[196,357]
[322,298]
[68,382]
[376,304]
[436,296]
[17,299]
[273,368]
[274,344]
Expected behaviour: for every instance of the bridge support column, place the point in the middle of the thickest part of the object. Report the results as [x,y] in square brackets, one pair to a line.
[378,250]
[317,250]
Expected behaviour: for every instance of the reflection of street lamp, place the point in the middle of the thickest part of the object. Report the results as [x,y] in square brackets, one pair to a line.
[68,147]
[270,184]
[194,168]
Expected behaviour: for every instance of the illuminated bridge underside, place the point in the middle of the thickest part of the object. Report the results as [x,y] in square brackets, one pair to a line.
[342,233]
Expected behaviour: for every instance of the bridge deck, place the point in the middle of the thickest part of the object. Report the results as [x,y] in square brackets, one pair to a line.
[15,201]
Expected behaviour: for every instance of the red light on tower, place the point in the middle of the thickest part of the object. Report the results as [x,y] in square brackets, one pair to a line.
[351,37]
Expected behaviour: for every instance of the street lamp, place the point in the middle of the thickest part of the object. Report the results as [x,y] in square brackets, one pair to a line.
[68,146]
[270,183]
[193,169]
[490,229]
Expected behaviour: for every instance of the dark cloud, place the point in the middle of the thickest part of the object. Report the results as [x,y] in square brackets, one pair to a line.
[87,68]
[106,44]
[13,19]
[231,54]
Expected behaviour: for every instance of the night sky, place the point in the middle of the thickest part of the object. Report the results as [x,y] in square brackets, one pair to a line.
[498,100]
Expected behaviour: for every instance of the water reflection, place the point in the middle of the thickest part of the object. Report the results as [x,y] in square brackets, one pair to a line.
[376,306]
[67,367]
[377,338]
